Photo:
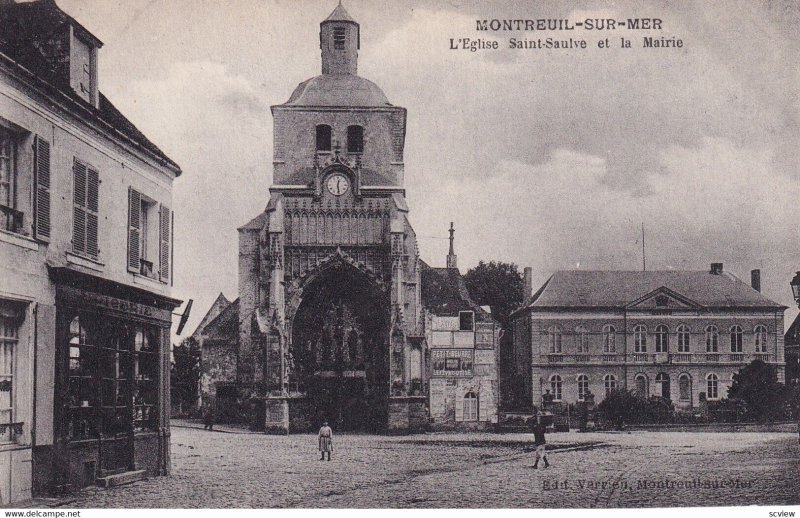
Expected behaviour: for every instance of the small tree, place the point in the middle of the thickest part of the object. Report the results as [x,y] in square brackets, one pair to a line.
[185,373]
[622,407]
[757,385]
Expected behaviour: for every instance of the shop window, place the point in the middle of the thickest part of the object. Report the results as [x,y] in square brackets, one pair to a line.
[470,407]
[145,371]
[9,336]
[82,392]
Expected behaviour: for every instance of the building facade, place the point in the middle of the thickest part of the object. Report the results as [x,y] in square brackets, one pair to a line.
[675,334]
[331,317]
[85,267]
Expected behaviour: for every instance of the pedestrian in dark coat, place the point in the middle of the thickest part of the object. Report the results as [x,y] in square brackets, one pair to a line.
[540,443]
[209,415]
[325,437]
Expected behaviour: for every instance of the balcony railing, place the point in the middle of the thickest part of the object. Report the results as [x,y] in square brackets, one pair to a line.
[654,358]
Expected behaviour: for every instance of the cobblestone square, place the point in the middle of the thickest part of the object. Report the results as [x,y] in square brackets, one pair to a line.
[639,469]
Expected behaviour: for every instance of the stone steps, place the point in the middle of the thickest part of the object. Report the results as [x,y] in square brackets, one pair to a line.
[120,479]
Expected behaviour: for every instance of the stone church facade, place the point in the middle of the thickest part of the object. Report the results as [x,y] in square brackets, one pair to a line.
[334,319]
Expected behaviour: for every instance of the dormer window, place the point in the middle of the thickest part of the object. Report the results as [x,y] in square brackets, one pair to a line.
[338,38]
[355,139]
[323,137]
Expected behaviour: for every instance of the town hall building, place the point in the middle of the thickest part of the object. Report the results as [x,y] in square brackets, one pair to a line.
[337,318]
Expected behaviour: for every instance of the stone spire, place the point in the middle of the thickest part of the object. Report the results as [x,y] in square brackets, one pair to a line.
[339,39]
[452,258]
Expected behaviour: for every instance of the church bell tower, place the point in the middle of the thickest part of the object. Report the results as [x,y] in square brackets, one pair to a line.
[330,309]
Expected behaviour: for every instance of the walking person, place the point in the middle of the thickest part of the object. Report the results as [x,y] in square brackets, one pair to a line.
[209,415]
[325,440]
[540,443]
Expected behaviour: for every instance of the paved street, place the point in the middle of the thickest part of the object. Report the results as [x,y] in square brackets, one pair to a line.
[216,469]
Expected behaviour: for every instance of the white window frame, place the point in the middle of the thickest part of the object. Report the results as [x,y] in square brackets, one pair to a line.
[712,339]
[554,340]
[470,402]
[583,386]
[609,383]
[609,339]
[712,381]
[760,337]
[662,338]
[737,339]
[556,386]
[684,338]
[581,340]
[640,338]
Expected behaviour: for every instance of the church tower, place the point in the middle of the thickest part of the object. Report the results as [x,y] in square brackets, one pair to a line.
[330,318]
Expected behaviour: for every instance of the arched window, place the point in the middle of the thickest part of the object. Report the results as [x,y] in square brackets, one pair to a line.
[609,339]
[581,340]
[555,386]
[355,139]
[712,386]
[712,339]
[683,338]
[583,386]
[662,385]
[736,339]
[662,339]
[640,339]
[641,385]
[470,407]
[324,137]
[610,382]
[761,338]
[554,339]
[685,387]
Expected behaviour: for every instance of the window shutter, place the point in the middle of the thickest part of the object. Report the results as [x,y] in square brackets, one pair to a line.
[459,407]
[79,207]
[134,229]
[92,206]
[41,219]
[164,243]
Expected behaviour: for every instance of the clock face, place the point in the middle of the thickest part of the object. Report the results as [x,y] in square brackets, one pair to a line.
[338,184]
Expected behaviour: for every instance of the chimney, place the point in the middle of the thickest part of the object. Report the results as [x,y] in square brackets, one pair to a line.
[716,268]
[755,280]
[528,283]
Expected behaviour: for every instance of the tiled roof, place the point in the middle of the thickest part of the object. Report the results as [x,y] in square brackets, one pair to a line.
[338,90]
[444,292]
[23,29]
[616,289]
[340,14]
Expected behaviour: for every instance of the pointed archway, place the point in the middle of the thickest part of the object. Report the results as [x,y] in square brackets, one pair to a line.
[339,348]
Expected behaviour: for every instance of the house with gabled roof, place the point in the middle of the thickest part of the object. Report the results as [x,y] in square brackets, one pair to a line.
[680,335]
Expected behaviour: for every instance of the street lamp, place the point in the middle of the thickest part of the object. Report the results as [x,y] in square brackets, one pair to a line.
[795,284]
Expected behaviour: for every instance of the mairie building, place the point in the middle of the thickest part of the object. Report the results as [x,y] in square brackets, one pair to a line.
[680,335]
[337,317]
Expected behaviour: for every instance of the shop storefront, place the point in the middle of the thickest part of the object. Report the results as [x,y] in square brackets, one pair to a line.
[112,380]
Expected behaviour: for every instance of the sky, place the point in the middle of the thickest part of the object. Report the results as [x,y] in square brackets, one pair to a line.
[552,159]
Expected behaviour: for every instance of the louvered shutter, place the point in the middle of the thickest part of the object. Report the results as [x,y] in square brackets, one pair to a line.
[164,243]
[92,208]
[41,219]
[134,229]
[79,207]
